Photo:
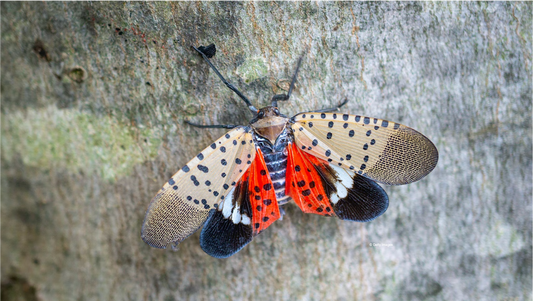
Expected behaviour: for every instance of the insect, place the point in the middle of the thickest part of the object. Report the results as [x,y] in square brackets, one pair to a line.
[327,162]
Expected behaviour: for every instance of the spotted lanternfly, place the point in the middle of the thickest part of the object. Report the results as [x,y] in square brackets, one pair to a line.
[328,163]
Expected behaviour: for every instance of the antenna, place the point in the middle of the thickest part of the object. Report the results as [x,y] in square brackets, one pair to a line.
[210,52]
[284,97]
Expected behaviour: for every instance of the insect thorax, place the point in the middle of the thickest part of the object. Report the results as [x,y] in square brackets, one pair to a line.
[272,136]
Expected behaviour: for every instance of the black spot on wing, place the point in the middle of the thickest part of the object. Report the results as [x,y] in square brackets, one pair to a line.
[195,181]
[364,202]
[222,238]
[203,168]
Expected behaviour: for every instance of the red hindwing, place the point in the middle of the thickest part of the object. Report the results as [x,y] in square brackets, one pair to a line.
[304,183]
[263,201]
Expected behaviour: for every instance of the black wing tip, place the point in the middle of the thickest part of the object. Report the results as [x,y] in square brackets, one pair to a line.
[372,215]
[365,201]
[219,253]
[359,215]
[221,238]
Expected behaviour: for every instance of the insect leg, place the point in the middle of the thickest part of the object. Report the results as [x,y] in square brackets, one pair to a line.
[332,109]
[229,85]
[284,97]
[212,126]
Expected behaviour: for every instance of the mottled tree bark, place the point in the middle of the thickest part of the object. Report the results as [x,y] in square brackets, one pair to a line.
[94,98]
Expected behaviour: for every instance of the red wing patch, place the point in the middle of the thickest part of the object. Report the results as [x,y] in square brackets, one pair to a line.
[263,200]
[304,183]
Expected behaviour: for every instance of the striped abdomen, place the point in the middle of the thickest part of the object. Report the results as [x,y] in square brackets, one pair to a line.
[276,163]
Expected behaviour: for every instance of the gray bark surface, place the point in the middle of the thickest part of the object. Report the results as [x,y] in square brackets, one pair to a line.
[94,98]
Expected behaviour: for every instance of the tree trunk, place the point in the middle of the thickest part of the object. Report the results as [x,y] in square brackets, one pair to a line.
[94,99]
